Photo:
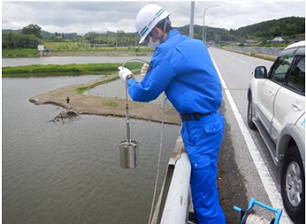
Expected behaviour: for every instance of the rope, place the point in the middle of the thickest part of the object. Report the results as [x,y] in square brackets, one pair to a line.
[158,163]
[127,116]
[161,137]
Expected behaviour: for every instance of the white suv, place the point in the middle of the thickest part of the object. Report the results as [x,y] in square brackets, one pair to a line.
[276,109]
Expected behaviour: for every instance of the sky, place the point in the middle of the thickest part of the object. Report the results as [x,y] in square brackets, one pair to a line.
[82,17]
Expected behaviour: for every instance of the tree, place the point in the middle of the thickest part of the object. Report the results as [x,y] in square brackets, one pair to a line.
[32,29]
[15,41]
[8,41]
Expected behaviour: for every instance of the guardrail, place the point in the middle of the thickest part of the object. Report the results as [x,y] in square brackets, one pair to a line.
[275,51]
[174,199]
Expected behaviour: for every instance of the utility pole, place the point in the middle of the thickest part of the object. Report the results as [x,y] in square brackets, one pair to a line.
[191,19]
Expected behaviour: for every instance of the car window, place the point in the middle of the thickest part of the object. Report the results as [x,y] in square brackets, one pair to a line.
[296,80]
[280,68]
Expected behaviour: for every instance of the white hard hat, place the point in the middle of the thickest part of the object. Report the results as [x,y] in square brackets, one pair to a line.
[147,18]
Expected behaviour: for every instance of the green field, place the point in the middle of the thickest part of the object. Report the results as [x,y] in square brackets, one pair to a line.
[68,70]
[71,47]
[75,47]
[24,52]
[80,46]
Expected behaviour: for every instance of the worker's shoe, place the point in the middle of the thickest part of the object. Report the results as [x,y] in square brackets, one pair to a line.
[192,219]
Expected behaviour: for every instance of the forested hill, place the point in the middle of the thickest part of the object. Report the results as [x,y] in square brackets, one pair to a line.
[282,27]
[286,27]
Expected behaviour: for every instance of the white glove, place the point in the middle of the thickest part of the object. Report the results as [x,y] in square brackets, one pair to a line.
[144,69]
[123,73]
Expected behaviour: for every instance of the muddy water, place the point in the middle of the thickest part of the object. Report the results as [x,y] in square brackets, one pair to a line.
[69,171]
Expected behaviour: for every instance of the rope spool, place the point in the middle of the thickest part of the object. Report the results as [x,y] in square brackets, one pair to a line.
[254,219]
[250,217]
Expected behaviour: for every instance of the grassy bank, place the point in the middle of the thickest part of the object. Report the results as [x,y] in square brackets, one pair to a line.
[66,70]
[81,90]
[19,53]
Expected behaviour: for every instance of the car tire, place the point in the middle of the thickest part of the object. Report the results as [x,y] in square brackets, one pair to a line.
[250,116]
[293,185]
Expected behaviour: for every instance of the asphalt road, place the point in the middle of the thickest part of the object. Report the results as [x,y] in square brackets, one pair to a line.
[253,173]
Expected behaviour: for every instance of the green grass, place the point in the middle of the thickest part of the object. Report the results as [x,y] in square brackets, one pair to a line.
[60,45]
[25,52]
[105,49]
[110,104]
[74,47]
[66,70]
[80,46]
[81,90]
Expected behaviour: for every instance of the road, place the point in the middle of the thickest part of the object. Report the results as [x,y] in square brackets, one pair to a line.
[257,171]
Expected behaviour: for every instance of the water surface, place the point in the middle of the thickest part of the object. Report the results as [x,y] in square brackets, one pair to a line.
[69,171]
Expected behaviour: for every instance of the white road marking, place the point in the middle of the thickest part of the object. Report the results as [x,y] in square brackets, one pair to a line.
[272,192]
[243,61]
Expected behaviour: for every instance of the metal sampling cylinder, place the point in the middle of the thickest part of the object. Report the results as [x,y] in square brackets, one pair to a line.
[129,154]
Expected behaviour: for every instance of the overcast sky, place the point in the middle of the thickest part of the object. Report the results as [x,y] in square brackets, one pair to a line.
[100,16]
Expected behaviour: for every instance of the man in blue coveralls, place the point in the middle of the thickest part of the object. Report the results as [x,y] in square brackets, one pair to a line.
[182,67]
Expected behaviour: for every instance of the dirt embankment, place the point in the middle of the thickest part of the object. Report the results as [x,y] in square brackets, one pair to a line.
[105,106]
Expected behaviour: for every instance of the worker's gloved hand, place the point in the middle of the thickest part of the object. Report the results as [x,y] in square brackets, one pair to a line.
[123,73]
[144,69]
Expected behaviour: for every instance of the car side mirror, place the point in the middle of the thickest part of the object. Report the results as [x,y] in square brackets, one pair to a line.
[260,72]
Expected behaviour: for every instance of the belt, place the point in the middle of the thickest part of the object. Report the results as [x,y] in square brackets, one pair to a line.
[194,116]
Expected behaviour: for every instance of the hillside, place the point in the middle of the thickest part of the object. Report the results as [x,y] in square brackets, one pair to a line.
[282,27]
[45,34]
[288,28]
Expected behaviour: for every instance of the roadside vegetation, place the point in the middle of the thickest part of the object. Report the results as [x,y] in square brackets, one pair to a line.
[71,69]
[253,54]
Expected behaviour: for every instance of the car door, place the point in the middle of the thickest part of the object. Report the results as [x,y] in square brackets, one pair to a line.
[269,88]
[290,100]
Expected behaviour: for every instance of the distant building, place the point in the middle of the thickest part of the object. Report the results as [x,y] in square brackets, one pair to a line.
[251,41]
[278,40]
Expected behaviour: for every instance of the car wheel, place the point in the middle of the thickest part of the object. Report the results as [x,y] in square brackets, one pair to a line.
[250,116]
[293,185]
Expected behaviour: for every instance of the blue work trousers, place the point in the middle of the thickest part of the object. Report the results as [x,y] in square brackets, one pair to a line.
[202,139]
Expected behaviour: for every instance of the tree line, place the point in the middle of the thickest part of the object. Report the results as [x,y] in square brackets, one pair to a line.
[288,28]
[29,37]
[32,35]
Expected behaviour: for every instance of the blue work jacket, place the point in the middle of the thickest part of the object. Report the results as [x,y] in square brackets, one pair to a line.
[182,67]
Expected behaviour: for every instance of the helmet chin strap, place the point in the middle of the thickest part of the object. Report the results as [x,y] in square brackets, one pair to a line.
[161,39]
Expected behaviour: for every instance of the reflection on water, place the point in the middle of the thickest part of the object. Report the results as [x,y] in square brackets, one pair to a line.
[69,171]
